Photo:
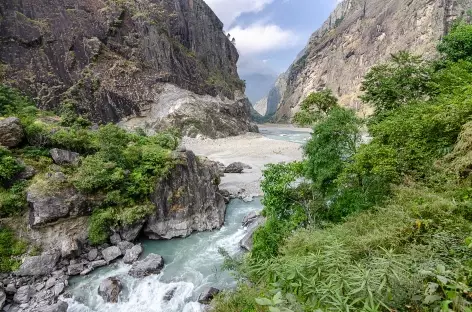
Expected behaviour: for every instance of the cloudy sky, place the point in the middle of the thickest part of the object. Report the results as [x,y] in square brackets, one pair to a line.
[270,33]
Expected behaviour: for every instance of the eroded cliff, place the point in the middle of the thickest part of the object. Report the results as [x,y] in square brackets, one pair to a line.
[113,59]
[356,36]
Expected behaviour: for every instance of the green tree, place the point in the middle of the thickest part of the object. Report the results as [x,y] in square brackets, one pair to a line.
[457,44]
[334,141]
[315,107]
[404,79]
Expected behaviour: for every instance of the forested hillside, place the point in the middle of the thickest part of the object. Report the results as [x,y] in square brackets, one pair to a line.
[378,215]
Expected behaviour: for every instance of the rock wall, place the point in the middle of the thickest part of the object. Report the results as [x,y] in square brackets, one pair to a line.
[114,59]
[187,200]
[358,35]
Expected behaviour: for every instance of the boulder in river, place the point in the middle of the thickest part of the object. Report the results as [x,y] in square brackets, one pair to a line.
[152,264]
[207,296]
[246,242]
[250,218]
[110,289]
[11,132]
[133,254]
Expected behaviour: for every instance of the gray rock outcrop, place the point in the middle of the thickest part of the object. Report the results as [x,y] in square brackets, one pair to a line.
[23,294]
[131,232]
[357,35]
[49,203]
[3,298]
[11,132]
[152,63]
[187,200]
[133,254]
[110,289]
[39,265]
[152,264]
[64,157]
[111,253]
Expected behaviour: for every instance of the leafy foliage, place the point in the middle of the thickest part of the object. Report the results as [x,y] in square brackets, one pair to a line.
[392,85]
[10,249]
[315,107]
[457,45]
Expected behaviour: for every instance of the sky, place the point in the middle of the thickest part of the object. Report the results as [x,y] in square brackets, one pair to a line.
[270,33]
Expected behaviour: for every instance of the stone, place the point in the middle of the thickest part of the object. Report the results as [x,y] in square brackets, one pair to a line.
[86,271]
[23,294]
[152,264]
[75,269]
[11,132]
[70,248]
[187,200]
[40,286]
[58,289]
[39,265]
[115,239]
[3,298]
[133,254]
[250,218]
[111,253]
[246,242]
[110,289]
[207,296]
[64,157]
[92,254]
[125,246]
[50,282]
[50,206]
[10,289]
[236,167]
[60,306]
[170,294]
[131,232]
[97,264]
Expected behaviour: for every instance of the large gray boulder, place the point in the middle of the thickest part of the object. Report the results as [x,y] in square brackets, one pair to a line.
[187,200]
[236,167]
[152,264]
[64,157]
[246,242]
[61,306]
[39,265]
[250,218]
[11,132]
[111,253]
[75,269]
[51,204]
[70,248]
[133,254]
[110,289]
[24,294]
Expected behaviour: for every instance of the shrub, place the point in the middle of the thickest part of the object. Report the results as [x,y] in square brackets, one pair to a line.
[457,44]
[9,166]
[13,200]
[12,103]
[10,248]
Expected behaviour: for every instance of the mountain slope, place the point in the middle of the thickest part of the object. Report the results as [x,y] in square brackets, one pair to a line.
[112,59]
[358,35]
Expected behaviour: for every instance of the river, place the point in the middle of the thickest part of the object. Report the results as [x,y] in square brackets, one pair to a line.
[192,264]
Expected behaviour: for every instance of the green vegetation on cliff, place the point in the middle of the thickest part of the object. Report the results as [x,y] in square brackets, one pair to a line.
[379,222]
[117,170]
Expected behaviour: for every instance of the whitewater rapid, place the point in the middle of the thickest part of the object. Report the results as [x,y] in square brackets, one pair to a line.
[191,266]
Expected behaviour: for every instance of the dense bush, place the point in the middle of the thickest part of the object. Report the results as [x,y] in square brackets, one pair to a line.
[315,107]
[10,248]
[9,166]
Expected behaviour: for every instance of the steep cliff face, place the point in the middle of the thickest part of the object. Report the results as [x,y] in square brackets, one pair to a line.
[112,59]
[358,35]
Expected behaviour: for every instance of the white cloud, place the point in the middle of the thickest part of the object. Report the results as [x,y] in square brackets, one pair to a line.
[229,10]
[260,38]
